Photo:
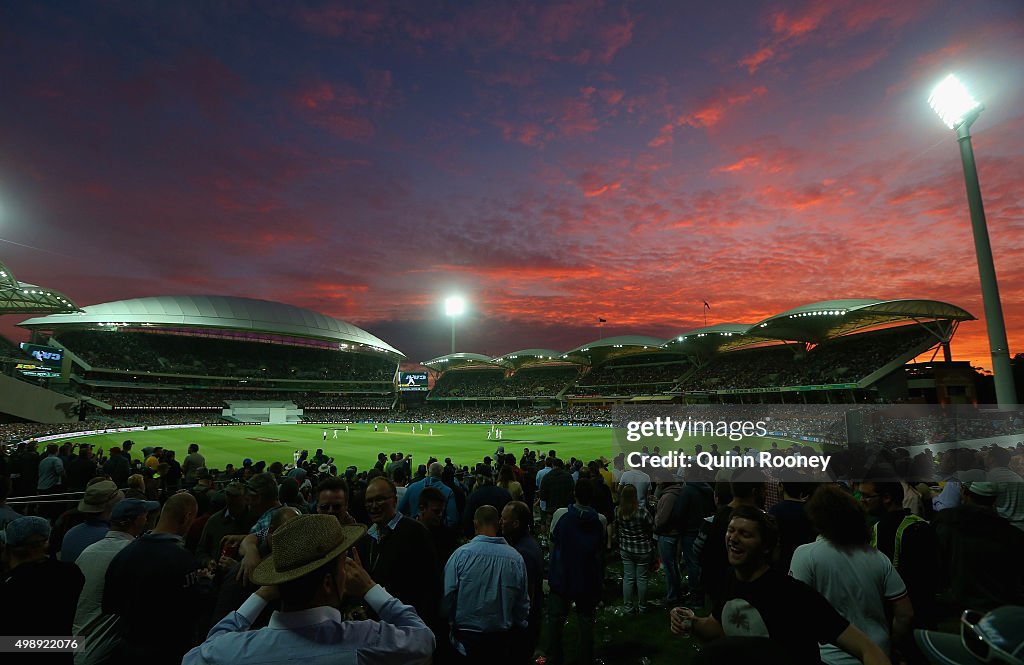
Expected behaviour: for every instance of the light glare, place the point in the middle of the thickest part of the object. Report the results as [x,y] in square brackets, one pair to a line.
[454,306]
[951,101]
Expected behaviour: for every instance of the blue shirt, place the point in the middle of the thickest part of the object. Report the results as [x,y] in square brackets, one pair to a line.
[81,536]
[374,530]
[51,473]
[485,588]
[540,476]
[410,503]
[318,636]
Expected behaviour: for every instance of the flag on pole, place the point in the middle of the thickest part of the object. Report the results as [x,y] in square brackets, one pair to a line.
[706,305]
[600,320]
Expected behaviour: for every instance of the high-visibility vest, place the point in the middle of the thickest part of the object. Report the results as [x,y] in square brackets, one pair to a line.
[907,521]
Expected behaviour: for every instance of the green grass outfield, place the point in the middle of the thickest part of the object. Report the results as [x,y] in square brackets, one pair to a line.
[465,444]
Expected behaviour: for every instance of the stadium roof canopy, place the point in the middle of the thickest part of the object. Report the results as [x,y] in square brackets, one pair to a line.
[528,357]
[457,360]
[23,298]
[601,351]
[813,323]
[827,319]
[714,339]
[195,314]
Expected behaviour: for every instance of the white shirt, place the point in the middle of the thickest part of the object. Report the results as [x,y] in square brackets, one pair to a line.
[94,561]
[638,479]
[857,583]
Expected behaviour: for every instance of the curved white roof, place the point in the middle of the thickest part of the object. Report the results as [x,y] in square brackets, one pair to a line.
[223,312]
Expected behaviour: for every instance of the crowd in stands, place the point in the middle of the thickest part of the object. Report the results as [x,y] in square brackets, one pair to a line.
[464,561]
[141,399]
[202,356]
[137,419]
[469,383]
[937,427]
[539,381]
[846,359]
[462,415]
[484,383]
[627,377]
[14,432]
[582,415]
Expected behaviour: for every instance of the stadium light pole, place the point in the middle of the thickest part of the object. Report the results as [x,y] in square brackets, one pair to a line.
[958,109]
[454,306]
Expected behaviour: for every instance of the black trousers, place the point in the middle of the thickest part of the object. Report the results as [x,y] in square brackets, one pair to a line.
[494,648]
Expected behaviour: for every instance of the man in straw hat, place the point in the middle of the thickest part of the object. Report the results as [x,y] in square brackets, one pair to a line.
[310,572]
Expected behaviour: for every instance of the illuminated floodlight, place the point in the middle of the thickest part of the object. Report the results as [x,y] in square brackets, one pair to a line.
[958,109]
[952,101]
[454,306]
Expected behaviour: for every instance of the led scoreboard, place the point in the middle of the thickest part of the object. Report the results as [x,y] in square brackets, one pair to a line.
[47,361]
[412,381]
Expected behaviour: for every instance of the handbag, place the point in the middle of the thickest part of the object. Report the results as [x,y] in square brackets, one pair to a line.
[101,638]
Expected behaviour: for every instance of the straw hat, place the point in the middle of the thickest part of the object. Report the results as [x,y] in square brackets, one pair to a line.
[304,544]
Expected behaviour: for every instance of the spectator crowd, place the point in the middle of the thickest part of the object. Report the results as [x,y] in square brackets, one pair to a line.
[164,559]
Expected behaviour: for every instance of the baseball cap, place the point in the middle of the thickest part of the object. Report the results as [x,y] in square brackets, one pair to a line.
[129,509]
[996,637]
[24,529]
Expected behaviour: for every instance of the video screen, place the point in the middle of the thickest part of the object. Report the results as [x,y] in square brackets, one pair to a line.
[412,381]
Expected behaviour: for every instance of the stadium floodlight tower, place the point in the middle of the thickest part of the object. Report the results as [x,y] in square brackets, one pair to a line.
[454,306]
[959,109]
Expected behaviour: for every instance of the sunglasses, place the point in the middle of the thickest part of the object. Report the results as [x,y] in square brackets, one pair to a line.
[330,507]
[976,643]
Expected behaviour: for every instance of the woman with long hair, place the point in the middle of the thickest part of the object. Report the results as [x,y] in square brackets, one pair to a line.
[857,580]
[507,480]
[635,529]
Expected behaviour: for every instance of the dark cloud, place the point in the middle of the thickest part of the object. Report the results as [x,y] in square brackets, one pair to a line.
[554,162]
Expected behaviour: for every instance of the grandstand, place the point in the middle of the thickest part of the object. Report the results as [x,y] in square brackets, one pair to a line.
[196,354]
[841,351]
[184,358]
[536,377]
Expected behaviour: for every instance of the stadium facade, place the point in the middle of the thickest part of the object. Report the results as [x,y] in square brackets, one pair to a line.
[197,353]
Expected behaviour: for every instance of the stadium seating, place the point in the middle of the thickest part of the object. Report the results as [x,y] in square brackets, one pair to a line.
[199,356]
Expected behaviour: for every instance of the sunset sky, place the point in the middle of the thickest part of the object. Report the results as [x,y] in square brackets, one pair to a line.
[554,162]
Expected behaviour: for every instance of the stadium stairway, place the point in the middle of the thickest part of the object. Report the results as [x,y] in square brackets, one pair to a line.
[893,365]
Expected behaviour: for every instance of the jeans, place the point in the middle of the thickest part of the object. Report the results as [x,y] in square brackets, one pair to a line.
[634,575]
[558,613]
[669,559]
[692,566]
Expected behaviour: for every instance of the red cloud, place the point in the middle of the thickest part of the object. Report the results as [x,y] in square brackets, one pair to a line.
[603,189]
[831,23]
[748,162]
[709,114]
[758,58]
[343,110]
[612,97]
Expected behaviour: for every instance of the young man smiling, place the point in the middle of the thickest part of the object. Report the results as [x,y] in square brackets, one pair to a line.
[766,614]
